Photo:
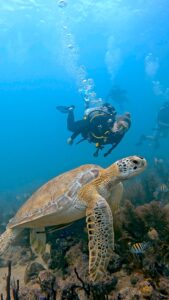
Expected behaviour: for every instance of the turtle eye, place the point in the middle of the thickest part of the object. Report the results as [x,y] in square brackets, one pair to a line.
[136,163]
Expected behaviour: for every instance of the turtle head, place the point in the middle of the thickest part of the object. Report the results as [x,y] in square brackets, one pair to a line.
[130,166]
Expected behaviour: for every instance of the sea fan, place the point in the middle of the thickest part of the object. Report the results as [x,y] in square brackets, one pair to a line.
[135,192]
[132,223]
[155,216]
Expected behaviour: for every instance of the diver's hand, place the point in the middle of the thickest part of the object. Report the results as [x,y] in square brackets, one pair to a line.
[105,154]
[70,141]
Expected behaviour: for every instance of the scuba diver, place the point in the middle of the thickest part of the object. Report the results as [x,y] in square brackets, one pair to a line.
[163,120]
[117,95]
[162,130]
[95,123]
[98,126]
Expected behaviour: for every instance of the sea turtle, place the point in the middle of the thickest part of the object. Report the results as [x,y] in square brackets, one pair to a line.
[89,191]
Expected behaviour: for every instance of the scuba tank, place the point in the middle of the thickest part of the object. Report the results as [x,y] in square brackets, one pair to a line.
[100,122]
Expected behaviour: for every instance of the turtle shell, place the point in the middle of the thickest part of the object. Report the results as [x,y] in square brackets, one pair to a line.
[54,201]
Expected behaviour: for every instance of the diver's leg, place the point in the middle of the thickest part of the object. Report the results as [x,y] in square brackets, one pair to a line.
[164,132]
[141,140]
[146,138]
[71,124]
[77,127]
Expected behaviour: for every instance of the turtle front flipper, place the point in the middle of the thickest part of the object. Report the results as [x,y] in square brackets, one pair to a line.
[115,198]
[101,236]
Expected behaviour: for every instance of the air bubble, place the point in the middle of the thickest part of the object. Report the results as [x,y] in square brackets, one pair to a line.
[62,3]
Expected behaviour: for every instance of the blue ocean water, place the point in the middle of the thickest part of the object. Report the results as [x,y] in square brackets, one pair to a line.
[44,47]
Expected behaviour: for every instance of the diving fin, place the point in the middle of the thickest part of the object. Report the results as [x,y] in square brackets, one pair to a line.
[65,109]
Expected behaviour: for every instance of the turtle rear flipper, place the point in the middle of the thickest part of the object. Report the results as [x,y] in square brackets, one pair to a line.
[38,240]
[7,238]
[101,237]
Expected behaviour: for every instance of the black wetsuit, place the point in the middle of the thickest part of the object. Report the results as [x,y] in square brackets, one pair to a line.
[92,127]
[113,139]
[77,127]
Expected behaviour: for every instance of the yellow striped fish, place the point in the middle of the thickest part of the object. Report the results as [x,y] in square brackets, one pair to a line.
[138,248]
[162,188]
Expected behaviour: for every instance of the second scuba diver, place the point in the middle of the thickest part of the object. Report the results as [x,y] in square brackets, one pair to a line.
[162,130]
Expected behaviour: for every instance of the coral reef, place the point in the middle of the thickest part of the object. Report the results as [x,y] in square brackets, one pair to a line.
[62,271]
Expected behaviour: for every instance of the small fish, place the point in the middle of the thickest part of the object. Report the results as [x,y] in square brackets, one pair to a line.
[158,161]
[138,248]
[162,188]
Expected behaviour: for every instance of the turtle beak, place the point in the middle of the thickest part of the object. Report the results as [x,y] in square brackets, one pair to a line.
[139,164]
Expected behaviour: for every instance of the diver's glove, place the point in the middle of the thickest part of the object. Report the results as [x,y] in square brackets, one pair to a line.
[70,141]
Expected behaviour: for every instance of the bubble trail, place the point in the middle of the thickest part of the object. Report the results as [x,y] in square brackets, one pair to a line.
[86,86]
